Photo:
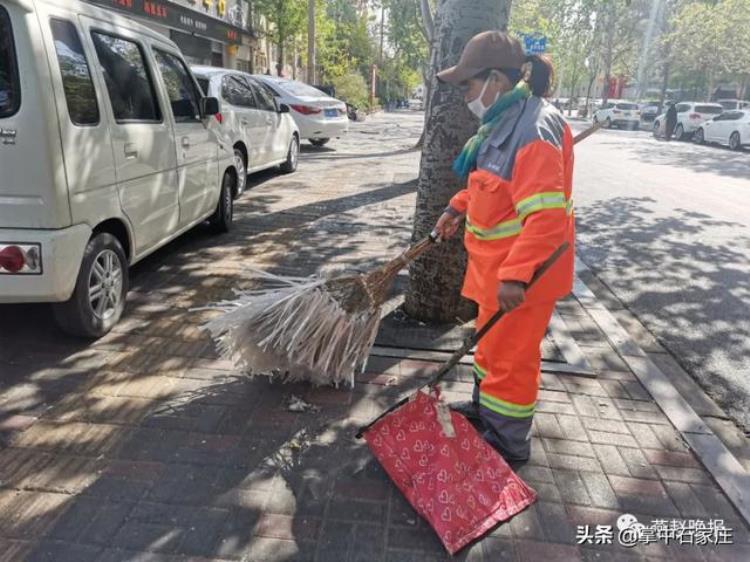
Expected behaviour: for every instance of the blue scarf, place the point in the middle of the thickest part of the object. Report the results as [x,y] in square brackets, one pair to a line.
[467,160]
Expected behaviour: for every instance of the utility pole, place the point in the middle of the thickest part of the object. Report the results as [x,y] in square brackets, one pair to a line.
[311,42]
[646,48]
[382,32]
[382,36]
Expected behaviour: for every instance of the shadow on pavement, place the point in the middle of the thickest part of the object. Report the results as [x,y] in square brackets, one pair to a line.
[691,291]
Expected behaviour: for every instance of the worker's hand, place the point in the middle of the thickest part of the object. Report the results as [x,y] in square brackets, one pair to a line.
[510,294]
[447,225]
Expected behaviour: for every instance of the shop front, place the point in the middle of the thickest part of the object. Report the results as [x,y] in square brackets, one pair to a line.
[208,32]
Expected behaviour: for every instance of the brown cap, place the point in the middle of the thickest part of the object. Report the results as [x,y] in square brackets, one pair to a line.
[487,50]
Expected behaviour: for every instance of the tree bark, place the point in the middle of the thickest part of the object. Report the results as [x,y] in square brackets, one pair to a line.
[311,42]
[664,84]
[435,279]
[608,52]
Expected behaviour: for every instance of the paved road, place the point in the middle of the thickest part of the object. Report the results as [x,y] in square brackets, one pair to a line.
[666,227]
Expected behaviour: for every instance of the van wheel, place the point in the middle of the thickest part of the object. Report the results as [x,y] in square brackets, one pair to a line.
[221,220]
[291,157]
[319,142]
[99,296]
[699,137]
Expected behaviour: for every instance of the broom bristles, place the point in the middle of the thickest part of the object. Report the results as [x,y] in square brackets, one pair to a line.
[298,330]
[318,329]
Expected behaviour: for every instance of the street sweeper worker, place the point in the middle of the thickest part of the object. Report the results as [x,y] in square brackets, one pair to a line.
[517,209]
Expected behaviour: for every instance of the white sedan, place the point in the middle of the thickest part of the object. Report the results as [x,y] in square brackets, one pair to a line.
[731,128]
[262,132]
[690,116]
[318,116]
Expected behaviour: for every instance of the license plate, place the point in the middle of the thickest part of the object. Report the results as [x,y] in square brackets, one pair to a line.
[331,113]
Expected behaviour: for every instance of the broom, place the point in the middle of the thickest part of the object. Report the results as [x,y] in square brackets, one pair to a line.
[318,329]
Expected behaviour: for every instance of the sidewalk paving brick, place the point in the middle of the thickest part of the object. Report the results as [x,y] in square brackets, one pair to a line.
[146,445]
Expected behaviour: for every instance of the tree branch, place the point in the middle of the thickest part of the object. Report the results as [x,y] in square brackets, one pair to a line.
[428,24]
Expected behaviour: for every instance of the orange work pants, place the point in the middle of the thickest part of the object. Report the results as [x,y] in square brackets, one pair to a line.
[507,373]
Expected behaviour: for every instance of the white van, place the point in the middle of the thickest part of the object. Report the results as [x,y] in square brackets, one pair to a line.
[107,152]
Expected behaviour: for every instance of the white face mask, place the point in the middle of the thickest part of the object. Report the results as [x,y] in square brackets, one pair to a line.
[476,106]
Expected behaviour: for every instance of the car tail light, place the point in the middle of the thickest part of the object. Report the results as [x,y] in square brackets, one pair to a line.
[20,259]
[694,116]
[305,109]
[219,117]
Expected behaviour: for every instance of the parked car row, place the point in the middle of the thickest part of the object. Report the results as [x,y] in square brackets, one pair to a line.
[690,116]
[726,122]
[110,147]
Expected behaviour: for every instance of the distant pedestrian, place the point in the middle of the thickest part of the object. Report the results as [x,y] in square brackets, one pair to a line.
[671,121]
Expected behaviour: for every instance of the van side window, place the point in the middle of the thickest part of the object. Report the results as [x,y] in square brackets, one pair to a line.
[129,85]
[79,88]
[10,87]
[183,95]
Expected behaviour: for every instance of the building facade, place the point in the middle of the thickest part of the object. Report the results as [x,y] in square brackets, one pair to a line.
[208,32]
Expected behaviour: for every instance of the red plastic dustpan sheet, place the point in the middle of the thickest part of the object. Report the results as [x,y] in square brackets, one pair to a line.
[460,485]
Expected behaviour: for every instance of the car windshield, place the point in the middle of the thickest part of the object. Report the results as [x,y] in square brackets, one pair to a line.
[627,106]
[299,89]
[10,88]
[683,107]
[711,109]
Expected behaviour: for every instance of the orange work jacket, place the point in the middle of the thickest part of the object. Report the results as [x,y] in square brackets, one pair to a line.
[518,205]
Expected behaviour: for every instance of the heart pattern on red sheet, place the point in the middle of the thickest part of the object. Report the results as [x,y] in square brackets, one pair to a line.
[460,485]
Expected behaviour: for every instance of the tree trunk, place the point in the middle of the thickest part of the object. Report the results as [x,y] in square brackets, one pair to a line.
[435,279]
[608,52]
[311,42]
[664,84]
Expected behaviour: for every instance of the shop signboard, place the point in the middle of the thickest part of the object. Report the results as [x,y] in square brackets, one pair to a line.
[180,17]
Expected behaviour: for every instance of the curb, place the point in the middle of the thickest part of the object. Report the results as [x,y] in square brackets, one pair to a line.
[726,469]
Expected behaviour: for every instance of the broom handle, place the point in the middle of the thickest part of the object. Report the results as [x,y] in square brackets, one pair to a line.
[472,340]
[414,251]
[588,132]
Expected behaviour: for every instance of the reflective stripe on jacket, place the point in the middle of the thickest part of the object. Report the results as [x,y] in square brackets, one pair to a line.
[518,204]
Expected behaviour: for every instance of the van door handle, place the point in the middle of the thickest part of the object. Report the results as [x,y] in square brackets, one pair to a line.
[130,150]
[185,142]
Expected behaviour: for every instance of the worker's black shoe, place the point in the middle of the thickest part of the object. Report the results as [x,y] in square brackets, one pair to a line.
[470,410]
